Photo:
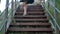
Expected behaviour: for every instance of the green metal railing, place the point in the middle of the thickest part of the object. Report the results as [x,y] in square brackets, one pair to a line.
[7,15]
[49,8]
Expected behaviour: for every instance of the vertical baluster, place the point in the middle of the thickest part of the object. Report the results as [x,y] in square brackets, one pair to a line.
[48,8]
[6,15]
[15,5]
[11,9]
[43,3]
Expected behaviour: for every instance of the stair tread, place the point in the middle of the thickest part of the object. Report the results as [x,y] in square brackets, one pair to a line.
[31,12]
[18,13]
[31,16]
[29,29]
[43,24]
[32,19]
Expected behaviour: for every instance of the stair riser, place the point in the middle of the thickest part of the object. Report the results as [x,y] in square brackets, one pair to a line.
[31,10]
[29,32]
[33,21]
[31,17]
[31,26]
[31,13]
[35,8]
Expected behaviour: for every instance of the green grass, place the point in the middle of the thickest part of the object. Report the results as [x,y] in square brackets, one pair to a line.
[0,32]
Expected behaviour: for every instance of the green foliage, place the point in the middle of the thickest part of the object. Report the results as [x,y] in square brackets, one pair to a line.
[58,4]
[51,9]
[0,32]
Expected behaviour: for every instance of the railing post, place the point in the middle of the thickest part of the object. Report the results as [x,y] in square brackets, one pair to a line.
[43,3]
[7,5]
[6,15]
[55,15]
[15,4]
[48,3]
[48,8]
[12,9]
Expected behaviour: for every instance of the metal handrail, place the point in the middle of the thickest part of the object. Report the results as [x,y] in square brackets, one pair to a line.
[5,22]
[52,17]
[51,3]
[55,25]
[1,15]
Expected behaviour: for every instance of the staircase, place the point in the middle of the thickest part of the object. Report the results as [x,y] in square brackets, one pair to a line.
[35,22]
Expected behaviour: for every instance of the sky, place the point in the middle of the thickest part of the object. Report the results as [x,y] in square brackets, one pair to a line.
[3,4]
